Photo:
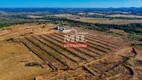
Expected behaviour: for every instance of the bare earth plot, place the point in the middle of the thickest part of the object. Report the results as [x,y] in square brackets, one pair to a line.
[104,59]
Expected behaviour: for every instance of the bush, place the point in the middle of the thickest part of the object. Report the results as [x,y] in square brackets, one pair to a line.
[134,44]
[11,39]
[32,64]
[43,26]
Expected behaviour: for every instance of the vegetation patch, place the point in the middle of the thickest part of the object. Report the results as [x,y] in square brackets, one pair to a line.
[32,64]
[3,25]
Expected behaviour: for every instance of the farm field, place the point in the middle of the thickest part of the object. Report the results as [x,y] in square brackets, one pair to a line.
[108,21]
[127,16]
[70,16]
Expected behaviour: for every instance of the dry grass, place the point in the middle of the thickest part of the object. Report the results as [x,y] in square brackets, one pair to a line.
[139,51]
[92,13]
[14,56]
[64,15]
[127,16]
[17,31]
[67,15]
[34,17]
[117,31]
[12,62]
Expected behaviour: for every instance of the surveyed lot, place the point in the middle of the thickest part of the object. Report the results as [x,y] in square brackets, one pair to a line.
[93,61]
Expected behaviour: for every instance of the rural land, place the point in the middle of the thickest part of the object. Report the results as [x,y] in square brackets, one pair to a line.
[31,48]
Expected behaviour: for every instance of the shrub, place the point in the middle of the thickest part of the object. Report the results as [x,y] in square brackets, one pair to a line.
[11,39]
[32,64]
[43,26]
[134,44]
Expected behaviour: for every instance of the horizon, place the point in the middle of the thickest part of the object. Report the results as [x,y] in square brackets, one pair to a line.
[69,3]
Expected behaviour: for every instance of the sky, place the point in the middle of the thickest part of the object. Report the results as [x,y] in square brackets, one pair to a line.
[69,3]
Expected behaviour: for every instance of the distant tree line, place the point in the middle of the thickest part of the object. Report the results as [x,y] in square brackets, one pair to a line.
[130,28]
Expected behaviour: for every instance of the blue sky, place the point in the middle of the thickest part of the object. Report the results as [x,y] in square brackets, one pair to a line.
[70,3]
